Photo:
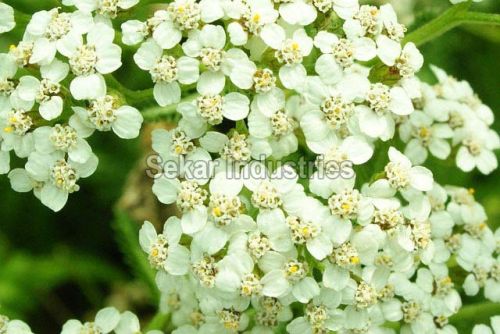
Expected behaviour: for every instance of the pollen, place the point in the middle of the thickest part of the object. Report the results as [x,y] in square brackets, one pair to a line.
[354,260]
[345,206]
[178,149]
[217,212]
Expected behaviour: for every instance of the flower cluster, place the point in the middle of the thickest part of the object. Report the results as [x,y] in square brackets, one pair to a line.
[53,96]
[365,239]
[257,247]
[449,115]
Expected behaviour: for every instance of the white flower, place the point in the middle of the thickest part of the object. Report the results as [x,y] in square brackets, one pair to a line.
[273,124]
[6,18]
[166,72]
[89,61]
[164,251]
[58,176]
[105,322]
[105,114]
[329,110]
[188,196]
[253,16]
[423,135]
[183,15]
[15,124]
[291,48]
[54,31]
[407,60]
[62,138]
[234,150]
[46,92]
[107,8]
[476,150]
[401,175]
[235,275]
[338,54]
[208,45]
[210,108]
[335,161]
[376,120]
[285,274]
[317,317]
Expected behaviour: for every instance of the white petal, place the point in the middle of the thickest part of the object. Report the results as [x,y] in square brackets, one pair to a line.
[128,122]
[53,197]
[235,106]
[167,93]
[88,87]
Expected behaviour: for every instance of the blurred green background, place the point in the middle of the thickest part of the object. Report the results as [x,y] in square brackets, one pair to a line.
[59,266]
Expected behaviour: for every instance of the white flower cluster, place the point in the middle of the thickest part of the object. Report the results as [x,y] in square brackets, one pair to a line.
[366,239]
[258,248]
[107,320]
[9,326]
[449,115]
[44,121]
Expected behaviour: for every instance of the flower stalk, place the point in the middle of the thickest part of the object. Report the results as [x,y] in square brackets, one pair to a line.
[451,18]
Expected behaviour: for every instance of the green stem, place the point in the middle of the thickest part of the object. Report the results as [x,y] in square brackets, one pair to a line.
[159,322]
[451,18]
[469,313]
[480,18]
[438,26]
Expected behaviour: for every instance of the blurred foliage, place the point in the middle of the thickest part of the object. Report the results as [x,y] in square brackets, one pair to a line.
[59,266]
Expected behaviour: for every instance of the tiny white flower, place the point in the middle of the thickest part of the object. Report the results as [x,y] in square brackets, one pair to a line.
[164,251]
[46,92]
[59,176]
[106,8]
[90,60]
[476,150]
[423,135]
[53,31]
[402,175]
[166,72]
[338,54]
[291,48]
[376,120]
[183,15]
[104,114]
